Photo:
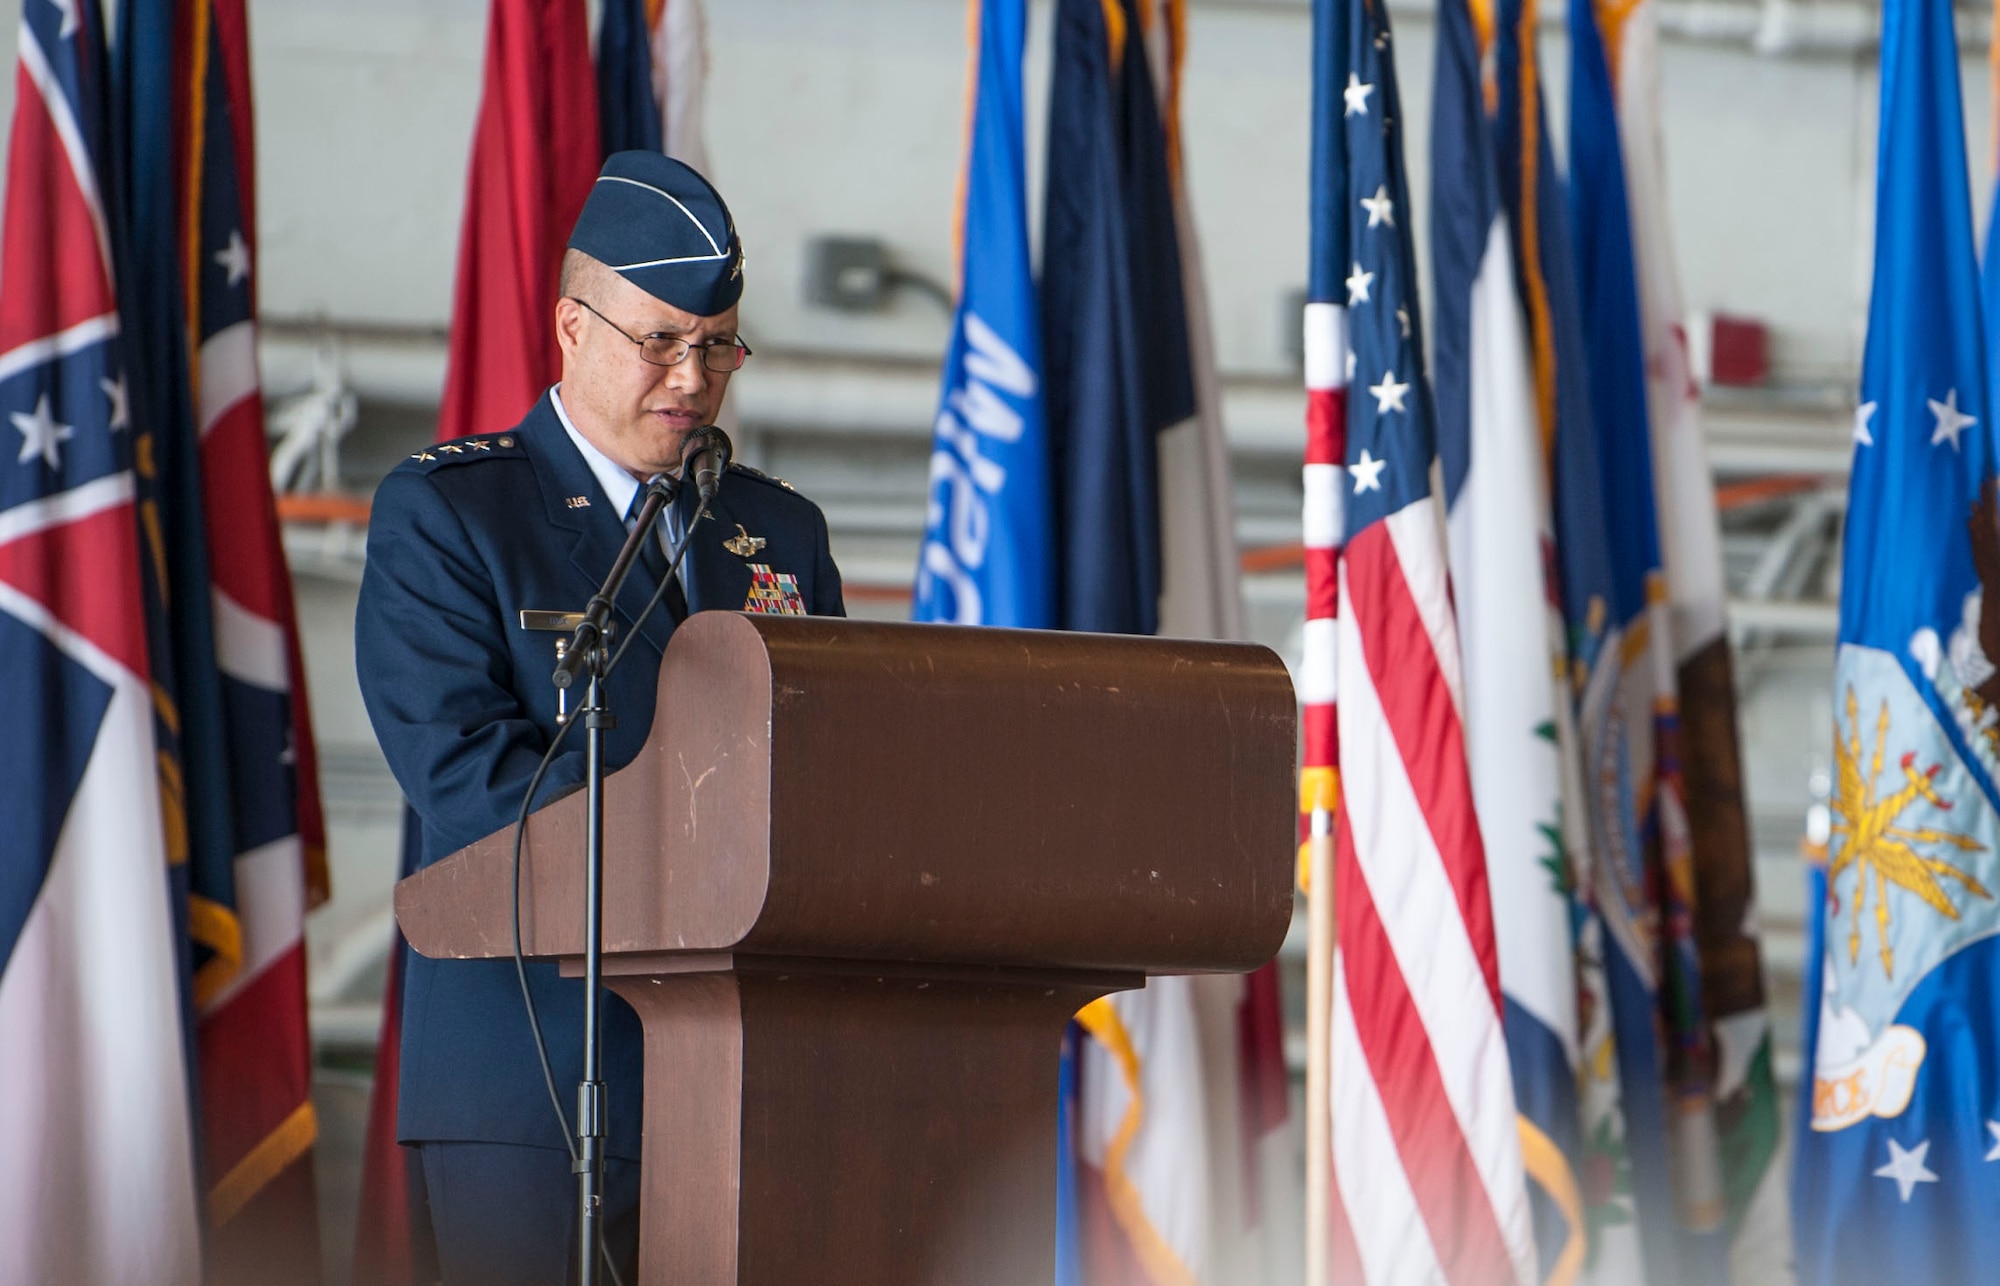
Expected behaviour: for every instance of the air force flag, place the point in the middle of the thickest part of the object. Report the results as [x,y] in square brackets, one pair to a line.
[987,555]
[1898,1168]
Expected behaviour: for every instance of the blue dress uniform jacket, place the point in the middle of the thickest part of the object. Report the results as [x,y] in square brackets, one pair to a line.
[462,537]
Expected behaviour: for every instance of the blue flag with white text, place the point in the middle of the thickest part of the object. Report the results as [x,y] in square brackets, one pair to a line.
[1896,1176]
[987,556]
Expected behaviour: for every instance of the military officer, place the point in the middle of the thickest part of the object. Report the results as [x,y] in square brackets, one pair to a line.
[466,534]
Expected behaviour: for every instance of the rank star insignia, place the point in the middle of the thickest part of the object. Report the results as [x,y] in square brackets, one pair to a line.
[423,455]
[453,449]
[480,446]
[743,544]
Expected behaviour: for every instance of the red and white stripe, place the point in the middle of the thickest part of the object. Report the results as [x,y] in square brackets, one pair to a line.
[1426,1156]
[253,1032]
[1326,357]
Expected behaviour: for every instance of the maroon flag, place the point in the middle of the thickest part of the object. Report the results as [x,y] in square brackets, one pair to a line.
[535,153]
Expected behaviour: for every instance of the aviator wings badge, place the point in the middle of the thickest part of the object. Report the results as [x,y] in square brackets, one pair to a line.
[743,544]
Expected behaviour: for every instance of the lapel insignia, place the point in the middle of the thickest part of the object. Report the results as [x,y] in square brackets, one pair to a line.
[578,502]
[743,544]
[773,593]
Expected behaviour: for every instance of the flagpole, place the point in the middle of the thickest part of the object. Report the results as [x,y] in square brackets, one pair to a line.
[1319,1045]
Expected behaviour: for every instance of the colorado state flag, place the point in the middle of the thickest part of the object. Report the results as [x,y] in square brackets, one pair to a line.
[1898,1168]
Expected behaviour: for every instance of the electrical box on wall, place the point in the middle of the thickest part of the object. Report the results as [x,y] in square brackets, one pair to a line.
[849,274]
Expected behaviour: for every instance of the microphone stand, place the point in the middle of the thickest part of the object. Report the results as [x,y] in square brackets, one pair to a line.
[704,456]
[588,650]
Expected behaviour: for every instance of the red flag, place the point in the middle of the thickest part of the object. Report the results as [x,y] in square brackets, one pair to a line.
[535,154]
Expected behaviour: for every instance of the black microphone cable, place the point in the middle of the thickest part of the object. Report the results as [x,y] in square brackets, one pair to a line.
[520,837]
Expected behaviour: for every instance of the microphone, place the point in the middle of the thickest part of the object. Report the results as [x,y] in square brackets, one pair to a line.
[705,455]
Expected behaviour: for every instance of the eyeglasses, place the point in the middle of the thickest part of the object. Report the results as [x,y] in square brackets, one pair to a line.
[722,355]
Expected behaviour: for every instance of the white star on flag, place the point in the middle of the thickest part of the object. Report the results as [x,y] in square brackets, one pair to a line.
[1389,394]
[1993,1128]
[1368,472]
[121,402]
[1907,1168]
[1357,286]
[1862,415]
[1950,420]
[234,258]
[1350,366]
[67,8]
[1381,210]
[41,435]
[1356,95]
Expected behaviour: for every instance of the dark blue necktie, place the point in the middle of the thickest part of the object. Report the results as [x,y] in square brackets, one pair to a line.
[653,556]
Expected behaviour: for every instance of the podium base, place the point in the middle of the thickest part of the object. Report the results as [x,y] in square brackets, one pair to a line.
[846,1122]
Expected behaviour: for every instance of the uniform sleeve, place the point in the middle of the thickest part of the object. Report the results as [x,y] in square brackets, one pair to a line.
[430,646]
[827,596]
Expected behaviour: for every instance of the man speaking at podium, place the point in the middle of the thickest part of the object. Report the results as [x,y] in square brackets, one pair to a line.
[464,536]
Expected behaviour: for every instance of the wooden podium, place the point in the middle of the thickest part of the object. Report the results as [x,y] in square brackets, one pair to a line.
[856,883]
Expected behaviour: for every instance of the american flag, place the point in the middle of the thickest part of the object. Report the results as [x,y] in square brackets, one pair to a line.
[1427,1168]
[1326,445]
[97,1174]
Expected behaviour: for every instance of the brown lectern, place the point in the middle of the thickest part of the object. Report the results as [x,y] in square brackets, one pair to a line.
[855,884]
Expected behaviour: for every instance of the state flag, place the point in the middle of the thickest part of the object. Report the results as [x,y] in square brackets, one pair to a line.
[98,1174]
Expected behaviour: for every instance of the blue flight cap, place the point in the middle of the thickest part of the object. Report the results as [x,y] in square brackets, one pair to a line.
[664,228]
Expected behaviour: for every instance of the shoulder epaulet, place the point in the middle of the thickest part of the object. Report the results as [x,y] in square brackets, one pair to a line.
[484,446]
[761,476]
